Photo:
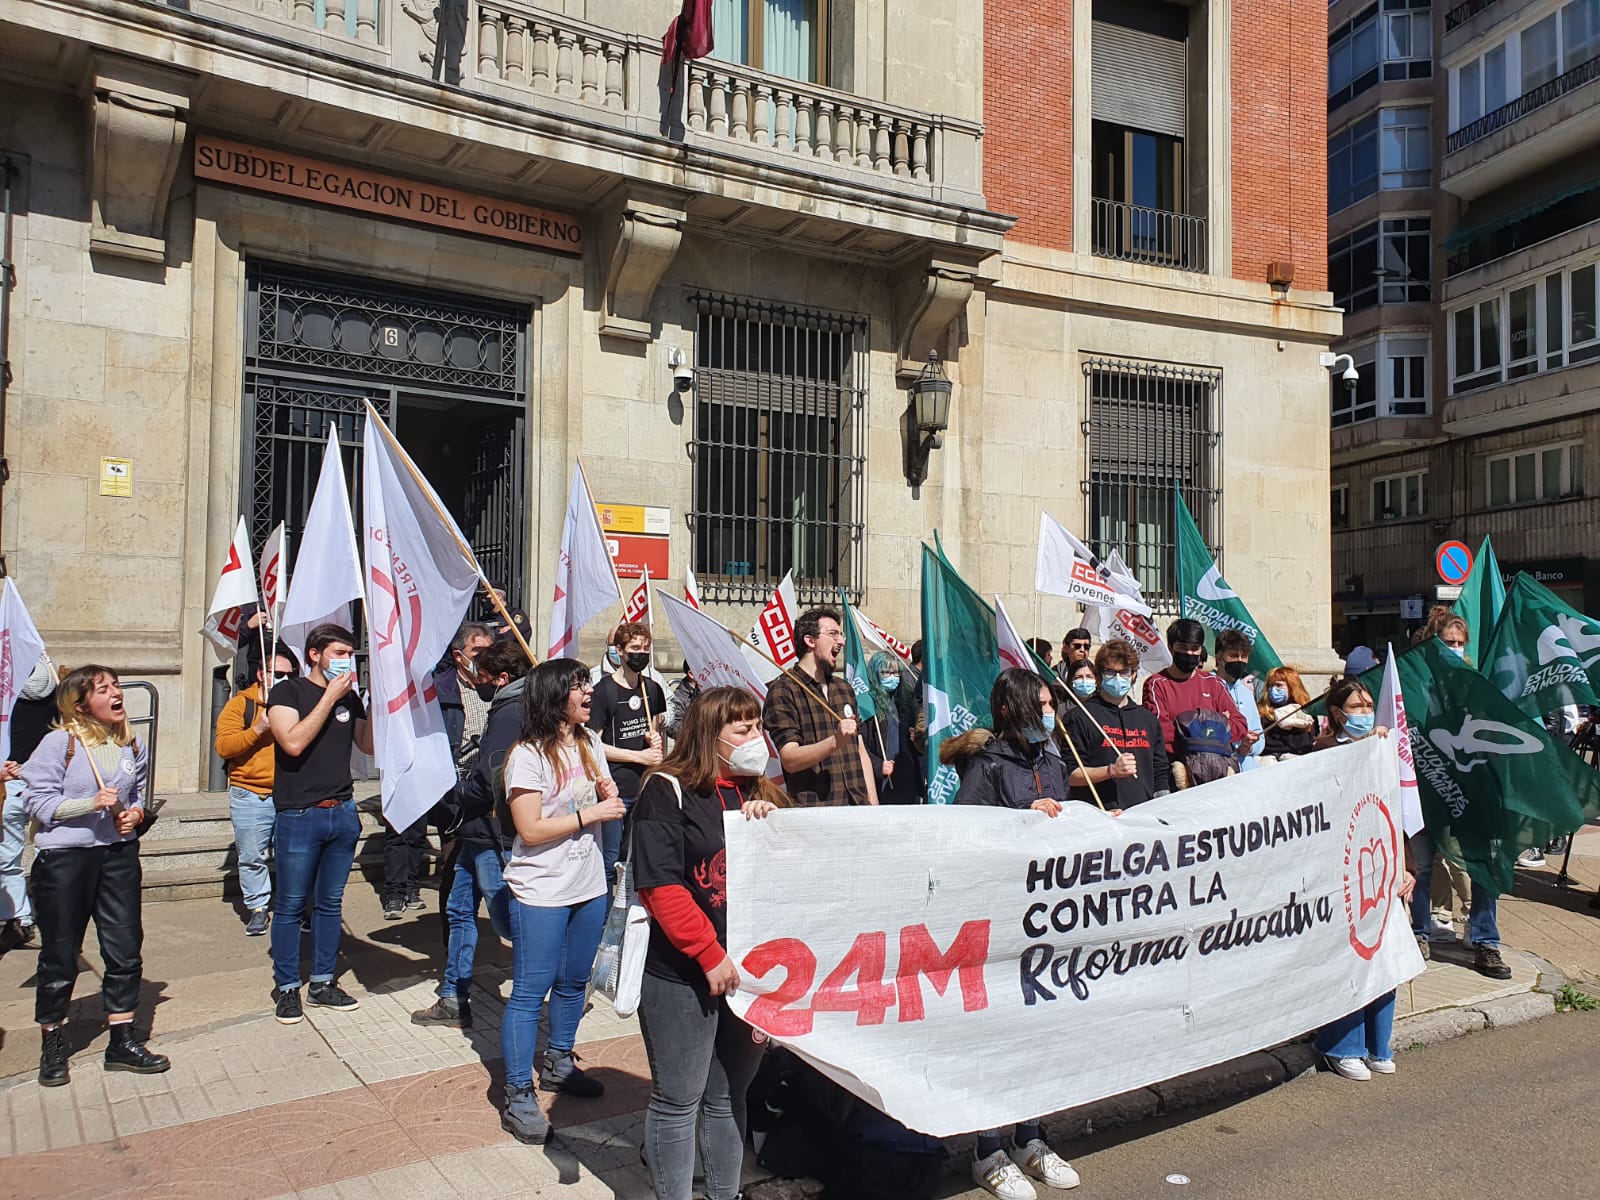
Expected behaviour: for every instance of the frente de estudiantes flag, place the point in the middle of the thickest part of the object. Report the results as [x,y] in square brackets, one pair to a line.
[420,580]
[236,587]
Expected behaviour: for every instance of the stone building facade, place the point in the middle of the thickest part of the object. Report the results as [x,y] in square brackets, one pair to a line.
[238,221]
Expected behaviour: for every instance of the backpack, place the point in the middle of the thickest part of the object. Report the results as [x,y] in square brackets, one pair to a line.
[1202,740]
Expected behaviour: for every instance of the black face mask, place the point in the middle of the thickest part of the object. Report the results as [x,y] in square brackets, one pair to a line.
[1187,662]
[486,691]
[637,662]
[1236,670]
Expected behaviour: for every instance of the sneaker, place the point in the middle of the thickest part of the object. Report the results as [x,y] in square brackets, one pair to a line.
[1382,1066]
[1423,949]
[1556,845]
[1531,857]
[1001,1177]
[1487,962]
[259,921]
[1441,928]
[448,1011]
[394,908]
[414,900]
[331,995]
[1045,1165]
[286,1006]
[1351,1068]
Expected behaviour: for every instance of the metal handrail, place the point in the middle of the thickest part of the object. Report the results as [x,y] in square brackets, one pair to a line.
[1133,233]
[1524,104]
[1462,13]
[153,720]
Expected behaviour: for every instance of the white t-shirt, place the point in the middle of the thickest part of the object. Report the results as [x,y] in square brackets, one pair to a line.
[568,870]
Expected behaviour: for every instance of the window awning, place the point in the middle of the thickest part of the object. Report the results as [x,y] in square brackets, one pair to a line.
[1497,212]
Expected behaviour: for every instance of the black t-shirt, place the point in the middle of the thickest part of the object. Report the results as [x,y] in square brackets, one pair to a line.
[682,847]
[617,713]
[322,772]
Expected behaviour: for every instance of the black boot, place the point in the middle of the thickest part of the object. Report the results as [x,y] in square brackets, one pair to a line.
[53,1056]
[561,1074]
[127,1053]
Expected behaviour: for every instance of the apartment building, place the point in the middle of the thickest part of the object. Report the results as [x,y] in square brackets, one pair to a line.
[1464,226]
[506,224]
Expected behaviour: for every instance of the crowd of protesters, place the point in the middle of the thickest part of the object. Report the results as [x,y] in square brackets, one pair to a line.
[564,769]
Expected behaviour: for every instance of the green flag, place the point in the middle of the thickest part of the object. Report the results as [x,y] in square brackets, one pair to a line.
[1492,782]
[1544,653]
[1483,595]
[855,663]
[961,657]
[1204,596]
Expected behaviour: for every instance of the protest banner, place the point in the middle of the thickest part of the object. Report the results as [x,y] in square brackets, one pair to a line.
[1074,957]
[1204,595]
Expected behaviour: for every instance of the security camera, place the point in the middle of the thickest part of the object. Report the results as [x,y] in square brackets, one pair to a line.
[1351,377]
[682,372]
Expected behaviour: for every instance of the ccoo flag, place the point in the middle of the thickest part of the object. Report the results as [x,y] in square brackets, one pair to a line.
[1544,654]
[1119,622]
[586,582]
[327,568]
[959,656]
[236,587]
[1491,780]
[638,609]
[421,578]
[1066,567]
[1205,596]
[20,650]
[773,634]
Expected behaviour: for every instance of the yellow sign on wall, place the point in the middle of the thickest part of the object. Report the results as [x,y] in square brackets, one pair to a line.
[116,476]
[634,518]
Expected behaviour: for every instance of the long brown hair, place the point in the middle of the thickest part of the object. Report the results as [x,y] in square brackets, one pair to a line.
[74,691]
[694,759]
[1290,678]
[1339,694]
[544,713]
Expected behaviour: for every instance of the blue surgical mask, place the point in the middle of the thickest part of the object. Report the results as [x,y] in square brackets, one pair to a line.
[1048,720]
[1116,686]
[1084,687]
[1278,693]
[1458,651]
[614,656]
[888,682]
[1358,725]
[335,667]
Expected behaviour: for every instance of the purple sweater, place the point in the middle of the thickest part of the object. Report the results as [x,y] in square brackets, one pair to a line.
[51,780]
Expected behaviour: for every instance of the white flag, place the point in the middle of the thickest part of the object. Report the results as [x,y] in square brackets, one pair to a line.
[1013,650]
[1391,714]
[236,587]
[1104,624]
[774,629]
[638,609]
[691,589]
[718,658]
[20,650]
[585,580]
[273,574]
[327,567]
[879,638]
[421,579]
[1066,567]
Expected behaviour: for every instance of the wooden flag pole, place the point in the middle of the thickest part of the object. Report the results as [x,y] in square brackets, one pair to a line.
[1093,791]
[494,596]
[1297,708]
[1085,711]
[787,673]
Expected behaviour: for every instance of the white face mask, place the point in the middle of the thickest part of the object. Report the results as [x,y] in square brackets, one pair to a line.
[750,758]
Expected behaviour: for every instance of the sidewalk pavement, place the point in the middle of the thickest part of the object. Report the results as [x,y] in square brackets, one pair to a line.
[365,1104]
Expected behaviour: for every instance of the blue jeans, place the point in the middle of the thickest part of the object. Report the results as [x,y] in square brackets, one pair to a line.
[253,819]
[477,878]
[1482,926]
[315,849]
[552,951]
[14,901]
[1361,1034]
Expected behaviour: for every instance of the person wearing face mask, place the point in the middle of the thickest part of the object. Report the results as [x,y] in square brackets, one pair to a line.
[316,720]
[888,747]
[627,711]
[702,1057]
[1181,695]
[244,742]
[1013,768]
[1233,661]
[1134,767]
[1357,1045]
[1290,730]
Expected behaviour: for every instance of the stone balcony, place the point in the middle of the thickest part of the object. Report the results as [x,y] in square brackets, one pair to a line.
[538,105]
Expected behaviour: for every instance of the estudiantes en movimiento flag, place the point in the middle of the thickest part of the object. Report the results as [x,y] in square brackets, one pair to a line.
[420,580]
[1204,595]
[961,658]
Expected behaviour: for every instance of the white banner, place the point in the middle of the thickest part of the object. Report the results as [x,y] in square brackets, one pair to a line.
[420,581]
[1066,567]
[586,581]
[236,587]
[20,650]
[327,568]
[1001,965]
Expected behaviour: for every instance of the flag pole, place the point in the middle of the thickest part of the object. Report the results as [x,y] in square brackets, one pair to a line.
[786,672]
[1085,711]
[445,519]
[1093,791]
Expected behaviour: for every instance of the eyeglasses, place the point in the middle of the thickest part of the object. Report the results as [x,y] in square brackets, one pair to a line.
[1119,674]
[581,685]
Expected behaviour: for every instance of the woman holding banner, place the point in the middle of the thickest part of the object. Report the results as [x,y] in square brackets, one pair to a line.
[702,1057]
[1357,1044]
[560,793]
[1013,769]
